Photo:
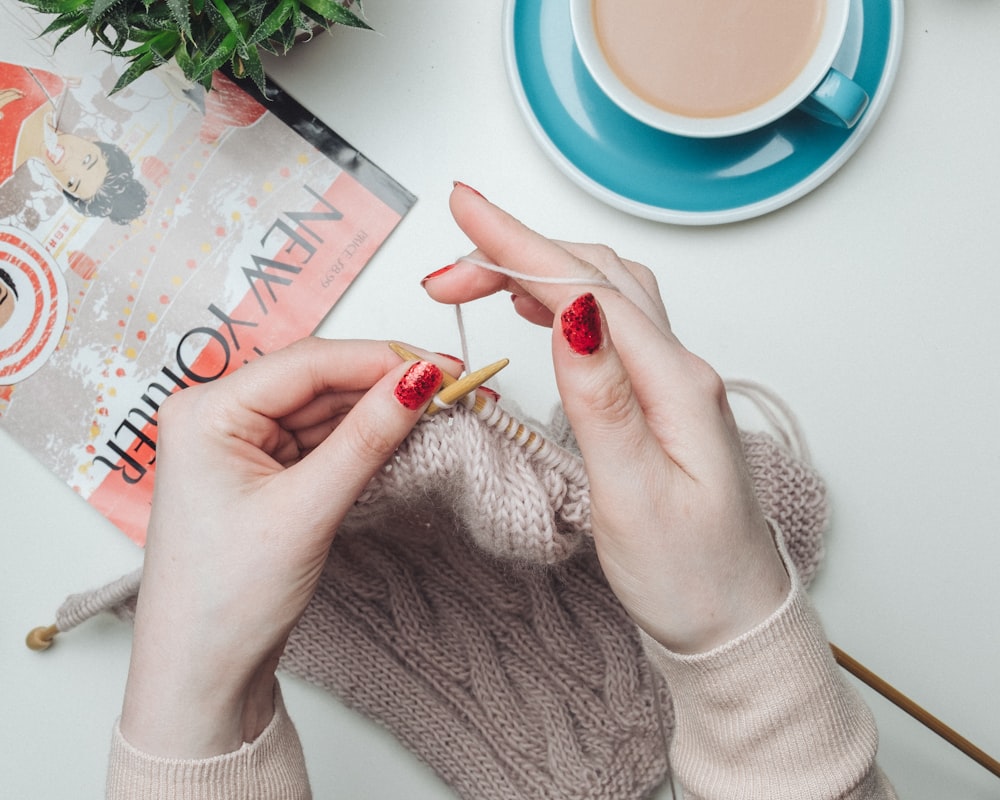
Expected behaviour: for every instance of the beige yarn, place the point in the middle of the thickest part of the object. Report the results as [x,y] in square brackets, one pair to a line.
[463,607]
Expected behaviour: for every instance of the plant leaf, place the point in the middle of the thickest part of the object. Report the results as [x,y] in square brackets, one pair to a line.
[73,24]
[99,10]
[56,6]
[251,68]
[332,11]
[231,22]
[211,63]
[135,69]
[285,11]
[180,12]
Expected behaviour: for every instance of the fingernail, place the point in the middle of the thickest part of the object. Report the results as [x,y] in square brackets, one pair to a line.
[456,359]
[581,325]
[495,396]
[456,184]
[418,384]
[436,273]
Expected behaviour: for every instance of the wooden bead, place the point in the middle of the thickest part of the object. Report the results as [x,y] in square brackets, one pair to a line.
[41,638]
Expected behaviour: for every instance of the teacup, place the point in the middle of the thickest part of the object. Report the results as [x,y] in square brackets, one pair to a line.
[710,68]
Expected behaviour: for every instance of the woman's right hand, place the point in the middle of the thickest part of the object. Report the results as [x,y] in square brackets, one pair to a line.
[255,471]
[677,526]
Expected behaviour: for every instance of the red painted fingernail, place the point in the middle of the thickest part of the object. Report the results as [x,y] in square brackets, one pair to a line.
[581,325]
[435,273]
[418,385]
[456,359]
[456,184]
[495,396]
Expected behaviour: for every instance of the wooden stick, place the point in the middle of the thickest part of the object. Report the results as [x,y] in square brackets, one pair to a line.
[892,694]
[454,392]
[447,380]
[409,355]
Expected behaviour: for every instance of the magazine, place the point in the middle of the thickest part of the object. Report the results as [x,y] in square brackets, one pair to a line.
[155,239]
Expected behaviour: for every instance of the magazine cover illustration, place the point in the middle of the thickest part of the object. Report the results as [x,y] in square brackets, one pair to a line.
[154,239]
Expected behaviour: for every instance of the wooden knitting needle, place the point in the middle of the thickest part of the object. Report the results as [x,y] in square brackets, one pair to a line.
[862,673]
[454,392]
[455,388]
[409,355]
[480,402]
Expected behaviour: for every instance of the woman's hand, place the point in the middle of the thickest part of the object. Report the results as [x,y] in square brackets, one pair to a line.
[678,529]
[254,473]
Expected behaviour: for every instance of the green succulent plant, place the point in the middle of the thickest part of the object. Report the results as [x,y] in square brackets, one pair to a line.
[200,35]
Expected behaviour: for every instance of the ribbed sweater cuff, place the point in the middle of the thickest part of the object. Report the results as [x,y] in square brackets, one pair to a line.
[271,767]
[768,714]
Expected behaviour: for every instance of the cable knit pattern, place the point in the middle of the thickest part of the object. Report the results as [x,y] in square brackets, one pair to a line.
[463,607]
[511,680]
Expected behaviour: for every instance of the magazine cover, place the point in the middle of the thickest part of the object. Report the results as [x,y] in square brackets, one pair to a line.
[155,239]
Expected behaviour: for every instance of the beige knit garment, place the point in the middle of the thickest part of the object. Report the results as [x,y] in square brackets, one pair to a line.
[463,607]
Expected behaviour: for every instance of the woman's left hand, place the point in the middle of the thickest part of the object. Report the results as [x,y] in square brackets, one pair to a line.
[677,526]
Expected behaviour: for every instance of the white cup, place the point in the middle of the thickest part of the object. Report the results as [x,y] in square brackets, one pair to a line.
[814,86]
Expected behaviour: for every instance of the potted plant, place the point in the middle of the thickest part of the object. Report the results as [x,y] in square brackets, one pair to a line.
[201,36]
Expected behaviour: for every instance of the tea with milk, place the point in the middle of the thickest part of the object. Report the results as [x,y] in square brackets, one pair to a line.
[708,58]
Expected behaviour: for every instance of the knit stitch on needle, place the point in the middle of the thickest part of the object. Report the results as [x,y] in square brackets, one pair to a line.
[463,607]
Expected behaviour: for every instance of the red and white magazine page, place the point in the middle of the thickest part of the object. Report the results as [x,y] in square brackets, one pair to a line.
[154,239]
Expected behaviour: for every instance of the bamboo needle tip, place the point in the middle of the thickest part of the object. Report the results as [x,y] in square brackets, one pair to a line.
[402,352]
[451,394]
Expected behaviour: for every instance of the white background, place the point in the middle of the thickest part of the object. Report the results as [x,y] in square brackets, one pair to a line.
[869,305]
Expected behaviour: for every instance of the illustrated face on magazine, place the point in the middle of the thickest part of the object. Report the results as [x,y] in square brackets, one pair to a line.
[77,164]
[45,118]
[33,305]
[8,297]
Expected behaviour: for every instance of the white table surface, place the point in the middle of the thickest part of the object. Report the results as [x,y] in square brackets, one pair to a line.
[869,305]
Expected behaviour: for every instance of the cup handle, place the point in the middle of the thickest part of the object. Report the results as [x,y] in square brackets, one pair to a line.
[837,100]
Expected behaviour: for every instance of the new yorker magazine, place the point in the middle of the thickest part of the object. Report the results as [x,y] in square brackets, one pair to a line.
[155,239]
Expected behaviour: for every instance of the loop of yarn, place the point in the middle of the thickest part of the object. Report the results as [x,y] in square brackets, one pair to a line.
[603,283]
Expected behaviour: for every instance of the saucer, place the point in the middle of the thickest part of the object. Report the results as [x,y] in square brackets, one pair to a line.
[668,178]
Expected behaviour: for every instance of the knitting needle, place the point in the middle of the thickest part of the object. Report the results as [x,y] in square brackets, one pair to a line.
[862,673]
[521,433]
[448,380]
[454,392]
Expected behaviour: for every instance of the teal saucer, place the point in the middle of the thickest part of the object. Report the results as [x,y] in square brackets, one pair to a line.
[668,178]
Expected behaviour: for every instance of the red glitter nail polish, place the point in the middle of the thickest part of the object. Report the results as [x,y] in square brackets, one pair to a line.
[456,184]
[436,272]
[581,325]
[418,385]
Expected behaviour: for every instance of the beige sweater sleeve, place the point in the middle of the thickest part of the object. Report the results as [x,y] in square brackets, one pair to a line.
[270,768]
[768,715]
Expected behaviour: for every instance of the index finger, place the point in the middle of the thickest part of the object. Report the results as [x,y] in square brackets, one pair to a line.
[505,240]
[287,380]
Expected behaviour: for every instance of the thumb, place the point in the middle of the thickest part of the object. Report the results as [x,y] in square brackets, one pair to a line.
[337,471]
